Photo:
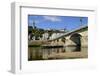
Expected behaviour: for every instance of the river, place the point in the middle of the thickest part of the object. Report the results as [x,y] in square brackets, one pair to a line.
[39,53]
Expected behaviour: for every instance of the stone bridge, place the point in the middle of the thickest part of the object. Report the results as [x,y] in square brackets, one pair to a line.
[77,37]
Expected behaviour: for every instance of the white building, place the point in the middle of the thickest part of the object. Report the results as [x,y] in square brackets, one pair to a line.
[55,35]
[45,36]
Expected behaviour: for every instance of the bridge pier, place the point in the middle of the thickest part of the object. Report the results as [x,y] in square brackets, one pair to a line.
[84,41]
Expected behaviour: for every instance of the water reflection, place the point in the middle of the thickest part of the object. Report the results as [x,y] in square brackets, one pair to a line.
[40,53]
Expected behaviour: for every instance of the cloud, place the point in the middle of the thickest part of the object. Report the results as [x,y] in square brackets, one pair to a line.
[52,18]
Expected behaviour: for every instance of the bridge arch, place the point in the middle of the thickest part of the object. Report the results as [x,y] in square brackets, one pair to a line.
[76,38]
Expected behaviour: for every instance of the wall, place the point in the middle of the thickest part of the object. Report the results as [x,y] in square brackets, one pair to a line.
[84,39]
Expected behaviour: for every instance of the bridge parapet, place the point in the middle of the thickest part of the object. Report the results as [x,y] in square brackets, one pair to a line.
[83,32]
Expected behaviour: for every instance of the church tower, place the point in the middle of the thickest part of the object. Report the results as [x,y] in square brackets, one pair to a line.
[34,27]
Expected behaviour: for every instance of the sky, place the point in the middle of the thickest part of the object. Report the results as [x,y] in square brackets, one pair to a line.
[57,22]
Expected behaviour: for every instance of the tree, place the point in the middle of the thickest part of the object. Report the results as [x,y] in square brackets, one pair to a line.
[30,28]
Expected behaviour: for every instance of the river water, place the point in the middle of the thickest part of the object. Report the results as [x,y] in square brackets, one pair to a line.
[38,53]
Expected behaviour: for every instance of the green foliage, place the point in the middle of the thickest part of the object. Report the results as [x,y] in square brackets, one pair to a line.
[30,28]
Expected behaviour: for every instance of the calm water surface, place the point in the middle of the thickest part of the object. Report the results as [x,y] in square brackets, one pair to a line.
[38,53]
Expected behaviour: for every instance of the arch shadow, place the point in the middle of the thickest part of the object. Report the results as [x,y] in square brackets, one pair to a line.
[76,38]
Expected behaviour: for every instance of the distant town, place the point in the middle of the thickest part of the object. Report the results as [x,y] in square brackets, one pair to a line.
[35,33]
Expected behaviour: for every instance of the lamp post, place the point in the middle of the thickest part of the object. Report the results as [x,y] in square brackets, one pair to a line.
[81,20]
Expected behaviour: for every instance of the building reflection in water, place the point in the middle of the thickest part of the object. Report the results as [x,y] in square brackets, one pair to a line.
[41,53]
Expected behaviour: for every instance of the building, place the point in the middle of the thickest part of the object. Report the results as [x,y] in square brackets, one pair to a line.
[45,36]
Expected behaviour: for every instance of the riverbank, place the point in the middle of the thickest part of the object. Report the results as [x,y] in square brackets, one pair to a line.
[37,42]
